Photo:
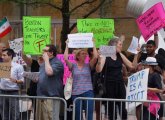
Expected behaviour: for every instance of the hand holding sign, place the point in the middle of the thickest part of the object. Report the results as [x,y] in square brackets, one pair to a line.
[80,40]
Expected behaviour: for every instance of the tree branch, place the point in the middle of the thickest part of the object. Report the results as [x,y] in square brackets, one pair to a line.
[87,15]
[82,4]
[35,2]
[94,9]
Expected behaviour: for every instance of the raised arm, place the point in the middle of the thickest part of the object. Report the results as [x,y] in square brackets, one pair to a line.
[127,62]
[27,60]
[100,64]
[66,56]
[94,57]
[156,40]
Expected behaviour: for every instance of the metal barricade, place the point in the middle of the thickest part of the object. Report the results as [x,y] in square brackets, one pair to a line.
[117,109]
[21,107]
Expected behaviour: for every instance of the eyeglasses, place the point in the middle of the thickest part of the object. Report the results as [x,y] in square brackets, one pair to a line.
[44,50]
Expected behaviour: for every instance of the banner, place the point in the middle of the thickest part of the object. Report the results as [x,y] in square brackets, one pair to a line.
[5,70]
[137,88]
[80,40]
[31,75]
[108,51]
[102,29]
[66,69]
[151,21]
[36,33]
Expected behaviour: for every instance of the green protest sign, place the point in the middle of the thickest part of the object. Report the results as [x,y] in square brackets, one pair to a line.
[102,29]
[36,34]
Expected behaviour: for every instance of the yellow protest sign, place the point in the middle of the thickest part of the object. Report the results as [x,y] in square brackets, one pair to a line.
[36,34]
[103,29]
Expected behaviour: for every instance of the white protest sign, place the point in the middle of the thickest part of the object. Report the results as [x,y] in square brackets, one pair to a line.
[16,44]
[133,46]
[31,75]
[80,40]
[137,88]
[108,51]
[161,37]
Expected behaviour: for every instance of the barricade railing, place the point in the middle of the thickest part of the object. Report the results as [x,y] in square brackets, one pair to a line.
[22,107]
[104,109]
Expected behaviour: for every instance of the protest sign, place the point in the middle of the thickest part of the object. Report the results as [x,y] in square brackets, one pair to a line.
[16,45]
[102,29]
[80,40]
[31,75]
[36,33]
[71,58]
[151,21]
[133,46]
[137,88]
[5,70]
[108,51]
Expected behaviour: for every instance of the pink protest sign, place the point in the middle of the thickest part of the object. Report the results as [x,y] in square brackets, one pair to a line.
[151,21]
[66,69]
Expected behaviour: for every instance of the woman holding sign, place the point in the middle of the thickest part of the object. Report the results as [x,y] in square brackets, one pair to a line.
[114,83]
[82,83]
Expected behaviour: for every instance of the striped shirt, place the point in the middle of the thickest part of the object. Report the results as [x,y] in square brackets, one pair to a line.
[81,79]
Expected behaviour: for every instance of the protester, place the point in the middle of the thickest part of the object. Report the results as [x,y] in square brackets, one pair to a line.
[154,88]
[82,84]
[114,84]
[151,47]
[50,83]
[9,86]
[2,47]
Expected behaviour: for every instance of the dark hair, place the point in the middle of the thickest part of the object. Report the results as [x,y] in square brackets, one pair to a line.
[53,49]
[10,52]
[151,42]
[90,50]
[161,51]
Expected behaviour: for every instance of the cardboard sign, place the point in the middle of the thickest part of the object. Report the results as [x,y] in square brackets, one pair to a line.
[36,33]
[151,21]
[108,51]
[102,29]
[80,40]
[133,46]
[5,70]
[137,88]
[31,75]
[71,58]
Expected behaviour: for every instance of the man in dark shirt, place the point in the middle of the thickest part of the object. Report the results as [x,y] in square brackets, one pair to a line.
[50,83]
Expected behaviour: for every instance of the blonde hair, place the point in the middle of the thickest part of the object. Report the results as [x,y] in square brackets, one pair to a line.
[77,53]
[114,41]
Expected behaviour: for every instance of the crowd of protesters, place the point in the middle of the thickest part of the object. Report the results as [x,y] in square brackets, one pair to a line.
[50,80]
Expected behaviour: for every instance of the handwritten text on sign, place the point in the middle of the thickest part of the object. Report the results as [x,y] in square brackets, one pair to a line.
[5,70]
[137,87]
[36,31]
[71,58]
[108,51]
[151,21]
[80,40]
[101,28]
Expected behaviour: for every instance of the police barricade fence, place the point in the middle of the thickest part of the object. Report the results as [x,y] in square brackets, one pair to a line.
[22,107]
[103,109]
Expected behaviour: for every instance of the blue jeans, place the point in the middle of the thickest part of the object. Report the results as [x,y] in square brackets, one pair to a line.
[87,105]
